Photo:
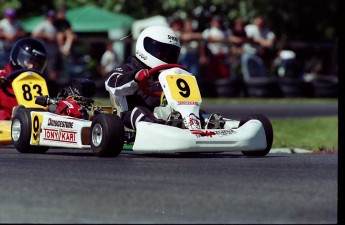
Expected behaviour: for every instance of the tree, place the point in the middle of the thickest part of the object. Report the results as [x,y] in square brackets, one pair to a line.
[306,20]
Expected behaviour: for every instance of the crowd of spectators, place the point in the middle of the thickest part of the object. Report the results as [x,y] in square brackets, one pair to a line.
[224,49]
[242,49]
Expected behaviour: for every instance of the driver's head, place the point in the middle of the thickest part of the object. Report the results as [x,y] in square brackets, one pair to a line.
[28,53]
[157,45]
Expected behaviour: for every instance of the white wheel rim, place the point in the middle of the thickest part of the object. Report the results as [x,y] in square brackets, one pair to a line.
[97,134]
[16,129]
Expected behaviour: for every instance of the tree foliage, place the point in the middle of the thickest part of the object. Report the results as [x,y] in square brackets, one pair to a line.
[307,20]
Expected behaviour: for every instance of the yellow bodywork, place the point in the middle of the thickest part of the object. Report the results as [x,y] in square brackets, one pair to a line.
[5,132]
[27,86]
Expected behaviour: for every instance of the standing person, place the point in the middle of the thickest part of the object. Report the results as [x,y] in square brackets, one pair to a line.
[47,32]
[155,46]
[255,52]
[237,39]
[65,35]
[109,59]
[10,31]
[216,36]
[27,53]
[190,47]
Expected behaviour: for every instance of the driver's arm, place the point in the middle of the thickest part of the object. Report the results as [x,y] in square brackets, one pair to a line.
[121,82]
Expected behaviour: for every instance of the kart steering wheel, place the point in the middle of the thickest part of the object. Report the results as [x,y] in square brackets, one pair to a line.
[165,67]
[155,70]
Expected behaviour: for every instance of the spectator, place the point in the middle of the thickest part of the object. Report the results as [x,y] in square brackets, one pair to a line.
[216,36]
[177,26]
[48,33]
[261,39]
[65,35]
[190,47]
[27,53]
[237,39]
[109,59]
[10,31]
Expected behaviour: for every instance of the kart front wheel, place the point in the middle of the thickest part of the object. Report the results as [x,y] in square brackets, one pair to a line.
[268,132]
[21,132]
[107,135]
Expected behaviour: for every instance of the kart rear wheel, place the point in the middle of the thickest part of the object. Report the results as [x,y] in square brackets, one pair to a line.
[107,135]
[21,131]
[268,131]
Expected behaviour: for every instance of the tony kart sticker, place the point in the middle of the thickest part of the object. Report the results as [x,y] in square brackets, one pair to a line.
[60,135]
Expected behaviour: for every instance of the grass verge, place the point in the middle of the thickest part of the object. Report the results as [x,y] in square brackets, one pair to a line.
[318,133]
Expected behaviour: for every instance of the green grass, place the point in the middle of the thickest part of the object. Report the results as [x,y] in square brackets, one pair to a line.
[319,133]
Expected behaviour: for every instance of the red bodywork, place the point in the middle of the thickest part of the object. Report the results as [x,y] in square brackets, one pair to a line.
[69,108]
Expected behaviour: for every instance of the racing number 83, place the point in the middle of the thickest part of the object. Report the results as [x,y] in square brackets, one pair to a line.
[27,91]
[183,88]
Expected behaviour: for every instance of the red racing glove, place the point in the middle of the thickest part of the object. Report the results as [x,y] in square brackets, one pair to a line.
[142,75]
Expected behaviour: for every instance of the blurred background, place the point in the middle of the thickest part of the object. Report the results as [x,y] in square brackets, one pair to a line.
[235,48]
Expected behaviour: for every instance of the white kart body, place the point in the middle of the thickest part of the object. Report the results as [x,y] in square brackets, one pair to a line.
[249,137]
[59,131]
[152,137]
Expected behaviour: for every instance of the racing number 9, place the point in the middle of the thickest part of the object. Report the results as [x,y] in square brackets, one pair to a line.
[27,95]
[35,126]
[183,86]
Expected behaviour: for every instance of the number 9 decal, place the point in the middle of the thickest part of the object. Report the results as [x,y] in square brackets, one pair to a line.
[36,128]
[183,86]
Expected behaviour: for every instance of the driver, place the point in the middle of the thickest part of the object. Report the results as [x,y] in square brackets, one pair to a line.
[26,53]
[155,46]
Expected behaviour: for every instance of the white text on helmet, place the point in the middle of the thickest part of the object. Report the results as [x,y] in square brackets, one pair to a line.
[173,38]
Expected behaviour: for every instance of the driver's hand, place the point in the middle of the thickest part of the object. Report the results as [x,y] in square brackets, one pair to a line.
[142,75]
[3,82]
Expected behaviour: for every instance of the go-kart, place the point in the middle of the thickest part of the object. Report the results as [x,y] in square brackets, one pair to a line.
[200,132]
[77,122]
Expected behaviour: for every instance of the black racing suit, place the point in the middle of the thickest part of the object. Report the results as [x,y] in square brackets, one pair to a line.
[135,104]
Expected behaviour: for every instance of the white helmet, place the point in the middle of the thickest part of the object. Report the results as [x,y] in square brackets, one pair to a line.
[157,45]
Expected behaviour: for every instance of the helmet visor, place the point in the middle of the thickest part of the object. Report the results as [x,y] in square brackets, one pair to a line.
[31,61]
[166,52]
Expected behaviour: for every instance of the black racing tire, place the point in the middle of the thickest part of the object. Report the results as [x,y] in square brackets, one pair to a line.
[268,132]
[21,131]
[229,87]
[263,87]
[325,87]
[107,135]
[17,108]
[295,88]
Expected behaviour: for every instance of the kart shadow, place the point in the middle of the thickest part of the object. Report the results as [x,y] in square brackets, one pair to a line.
[203,155]
[130,154]
[68,152]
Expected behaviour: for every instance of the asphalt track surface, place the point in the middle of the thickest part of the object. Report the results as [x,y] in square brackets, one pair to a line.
[74,186]
[274,110]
